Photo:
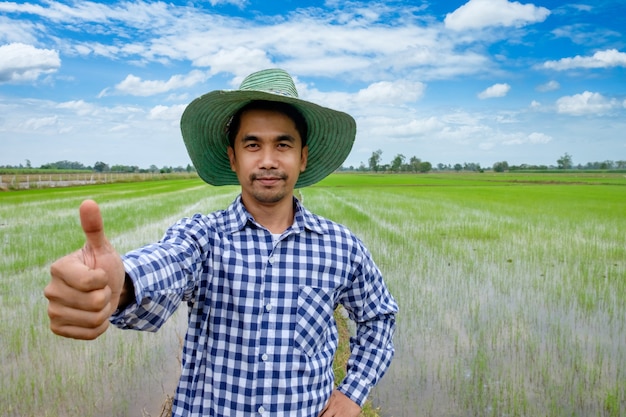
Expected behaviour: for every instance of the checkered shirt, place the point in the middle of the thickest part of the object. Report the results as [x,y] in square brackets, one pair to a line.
[261,334]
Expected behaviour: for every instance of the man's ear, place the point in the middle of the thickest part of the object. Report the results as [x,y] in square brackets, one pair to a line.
[231,158]
[304,156]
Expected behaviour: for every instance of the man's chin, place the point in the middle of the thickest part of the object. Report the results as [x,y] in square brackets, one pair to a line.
[269,196]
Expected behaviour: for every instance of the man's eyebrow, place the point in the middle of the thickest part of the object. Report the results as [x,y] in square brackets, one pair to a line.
[288,138]
[249,138]
[279,138]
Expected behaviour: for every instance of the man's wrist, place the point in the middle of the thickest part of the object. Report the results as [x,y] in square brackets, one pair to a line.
[127,297]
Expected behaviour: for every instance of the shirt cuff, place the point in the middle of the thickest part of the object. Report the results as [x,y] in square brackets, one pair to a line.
[355,389]
[117,318]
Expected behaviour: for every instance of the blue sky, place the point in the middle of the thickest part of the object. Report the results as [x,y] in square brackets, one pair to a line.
[478,81]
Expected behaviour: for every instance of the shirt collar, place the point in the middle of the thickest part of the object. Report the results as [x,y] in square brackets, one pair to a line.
[303,219]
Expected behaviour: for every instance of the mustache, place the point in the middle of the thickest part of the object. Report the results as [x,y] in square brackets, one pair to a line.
[268,174]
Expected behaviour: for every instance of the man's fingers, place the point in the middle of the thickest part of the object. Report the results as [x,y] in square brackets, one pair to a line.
[73,272]
[79,332]
[64,316]
[92,224]
[65,296]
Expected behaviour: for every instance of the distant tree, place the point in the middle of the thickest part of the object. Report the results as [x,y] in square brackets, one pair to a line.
[458,167]
[607,165]
[414,164]
[374,160]
[124,168]
[100,167]
[28,163]
[425,167]
[501,166]
[565,162]
[471,166]
[398,161]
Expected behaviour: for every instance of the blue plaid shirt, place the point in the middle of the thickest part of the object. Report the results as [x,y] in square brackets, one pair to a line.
[261,335]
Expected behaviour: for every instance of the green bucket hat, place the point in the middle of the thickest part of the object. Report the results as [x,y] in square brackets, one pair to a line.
[203,124]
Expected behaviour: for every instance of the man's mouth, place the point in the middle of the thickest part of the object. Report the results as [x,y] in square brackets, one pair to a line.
[268,180]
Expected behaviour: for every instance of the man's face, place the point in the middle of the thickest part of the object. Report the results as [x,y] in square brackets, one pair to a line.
[267,156]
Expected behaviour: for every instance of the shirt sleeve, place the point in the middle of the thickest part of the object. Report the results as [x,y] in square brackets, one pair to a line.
[372,307]
[163,275]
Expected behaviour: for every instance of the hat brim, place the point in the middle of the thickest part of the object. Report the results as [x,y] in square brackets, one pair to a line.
[331,134]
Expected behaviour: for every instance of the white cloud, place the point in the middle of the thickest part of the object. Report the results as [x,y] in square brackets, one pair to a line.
[539,138]
[79,106]
[40,123]
[16,31]
[21,62]
[533,138]
[238,3]
[352,41]
[386,92]
[549,86]
[167,112]
[496,90]
[226,59]
[601,59]
[135,86]
[585,103]
[393,127]
[478,14]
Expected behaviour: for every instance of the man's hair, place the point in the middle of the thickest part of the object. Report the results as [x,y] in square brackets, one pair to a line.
[232,128]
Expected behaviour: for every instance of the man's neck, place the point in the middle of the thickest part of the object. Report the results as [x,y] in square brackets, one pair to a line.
[275,217]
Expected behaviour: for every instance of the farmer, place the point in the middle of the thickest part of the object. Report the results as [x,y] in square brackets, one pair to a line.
[261,278]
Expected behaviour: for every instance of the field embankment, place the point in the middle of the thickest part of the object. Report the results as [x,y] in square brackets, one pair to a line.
[11,180]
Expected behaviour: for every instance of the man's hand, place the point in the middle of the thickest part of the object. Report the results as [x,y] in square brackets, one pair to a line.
[340,405]
[85,287]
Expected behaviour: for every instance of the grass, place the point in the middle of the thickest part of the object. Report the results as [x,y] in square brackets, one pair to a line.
[511,290]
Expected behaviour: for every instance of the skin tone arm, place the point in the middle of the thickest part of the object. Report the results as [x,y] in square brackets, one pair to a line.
[87,286]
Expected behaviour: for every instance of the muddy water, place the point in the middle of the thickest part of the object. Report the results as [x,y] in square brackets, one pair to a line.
[147,394]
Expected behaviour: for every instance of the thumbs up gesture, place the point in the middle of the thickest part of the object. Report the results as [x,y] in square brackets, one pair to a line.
[86,285]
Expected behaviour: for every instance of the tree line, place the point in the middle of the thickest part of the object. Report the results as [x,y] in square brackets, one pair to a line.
[400,163]
[102,167]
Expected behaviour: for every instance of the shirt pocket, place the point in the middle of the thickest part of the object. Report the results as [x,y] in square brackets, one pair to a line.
[315,310]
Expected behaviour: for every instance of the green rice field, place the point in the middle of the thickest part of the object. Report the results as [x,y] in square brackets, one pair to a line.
[512,292]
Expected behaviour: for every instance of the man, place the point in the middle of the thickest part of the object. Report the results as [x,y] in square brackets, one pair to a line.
[261,279]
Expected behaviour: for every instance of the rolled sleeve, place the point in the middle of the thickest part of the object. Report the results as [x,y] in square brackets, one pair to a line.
[163,275]
[373,309]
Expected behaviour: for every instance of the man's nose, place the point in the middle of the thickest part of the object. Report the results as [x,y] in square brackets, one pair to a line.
[268,158]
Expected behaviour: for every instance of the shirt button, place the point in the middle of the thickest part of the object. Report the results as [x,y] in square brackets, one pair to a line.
[264,357]
[271,260]
[261,410]
[268,307]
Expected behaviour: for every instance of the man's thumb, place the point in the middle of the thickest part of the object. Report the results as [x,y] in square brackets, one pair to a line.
[93,226]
